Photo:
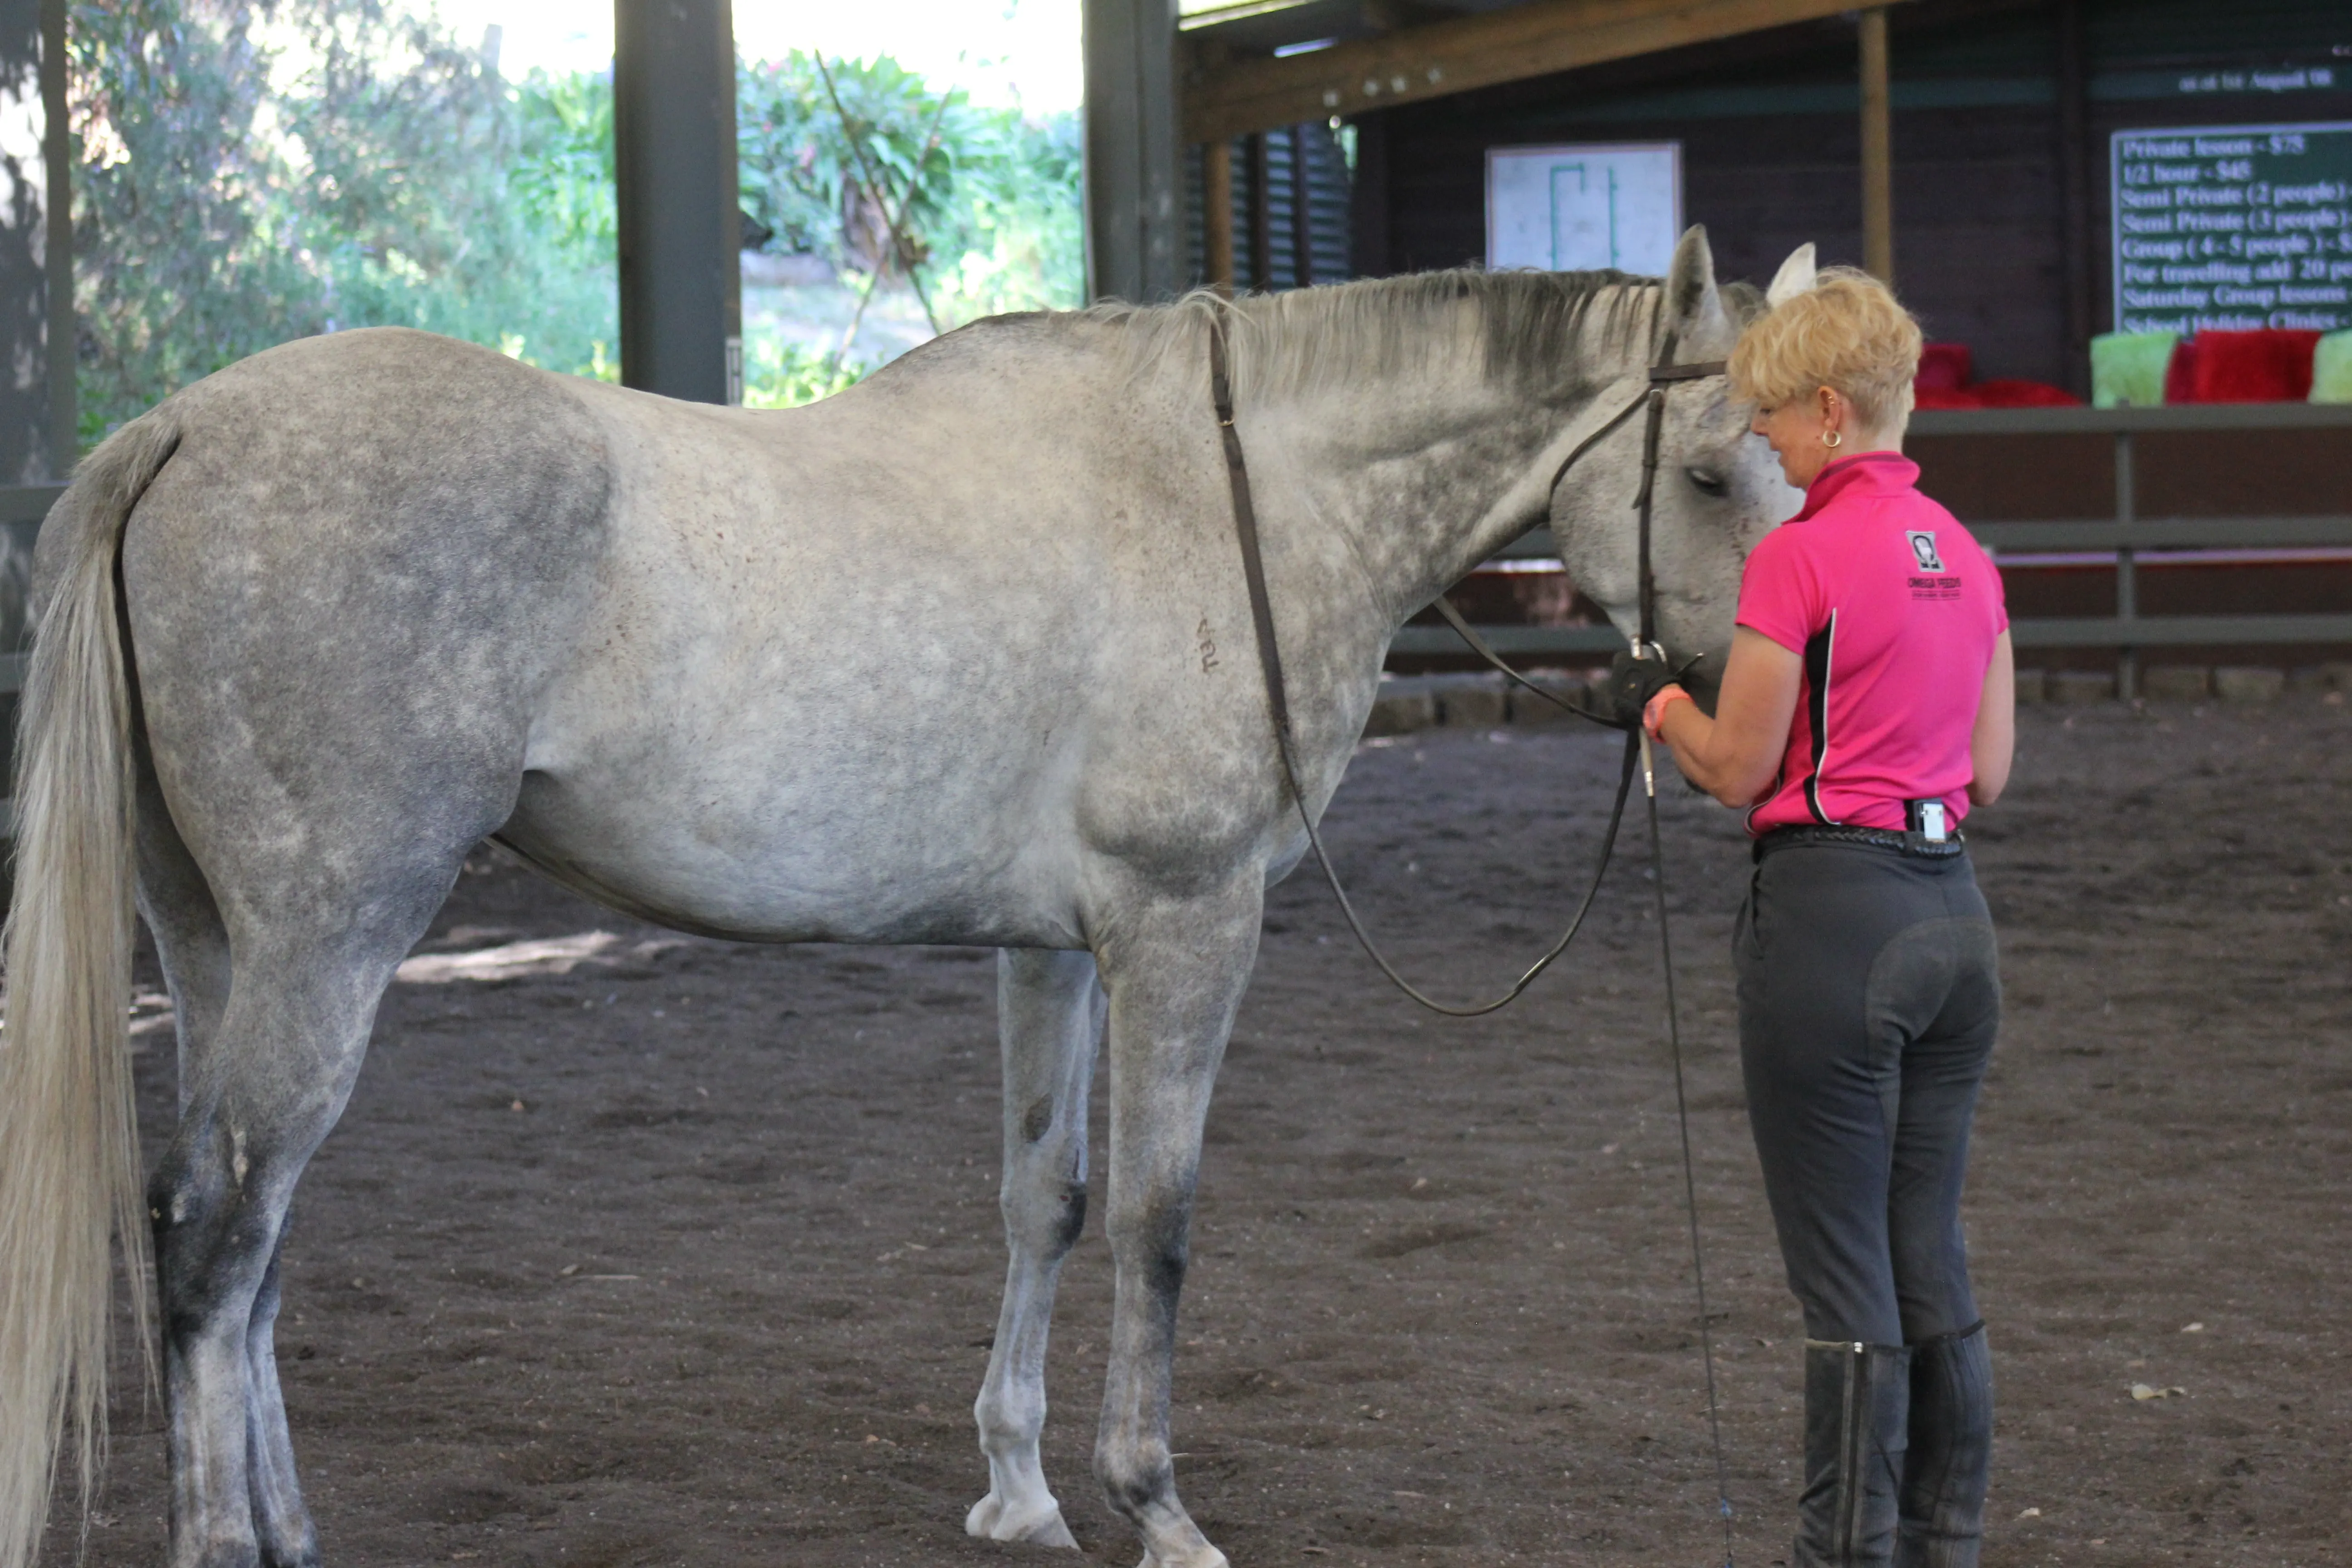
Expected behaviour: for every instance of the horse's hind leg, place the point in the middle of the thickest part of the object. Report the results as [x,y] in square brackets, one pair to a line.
[259,1100]
[281,1523]
[1050,1014]
[192,944]
[190,939]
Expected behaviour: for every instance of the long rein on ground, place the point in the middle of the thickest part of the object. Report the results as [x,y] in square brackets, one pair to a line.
[1663,374]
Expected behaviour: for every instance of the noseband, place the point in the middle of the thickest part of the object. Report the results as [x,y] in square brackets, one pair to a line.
[1663,375]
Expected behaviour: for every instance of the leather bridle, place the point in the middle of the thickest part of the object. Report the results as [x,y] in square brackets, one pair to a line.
[1663,374]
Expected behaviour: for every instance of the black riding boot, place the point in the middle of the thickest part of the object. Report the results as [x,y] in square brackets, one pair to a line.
[1857,1400]
[1945,1476]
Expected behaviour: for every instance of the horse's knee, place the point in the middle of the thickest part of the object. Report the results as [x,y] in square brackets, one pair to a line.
[1044,1217]
[1044,1198]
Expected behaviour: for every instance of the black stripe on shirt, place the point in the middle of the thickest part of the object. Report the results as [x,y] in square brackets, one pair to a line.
[1818,651]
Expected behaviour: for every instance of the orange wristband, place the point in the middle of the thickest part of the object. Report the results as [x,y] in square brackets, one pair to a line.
[1654,713]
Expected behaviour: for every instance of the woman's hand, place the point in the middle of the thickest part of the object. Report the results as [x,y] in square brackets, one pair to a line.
[1633,685]
[1735,755]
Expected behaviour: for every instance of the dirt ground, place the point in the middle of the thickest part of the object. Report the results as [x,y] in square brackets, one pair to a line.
[689,1255]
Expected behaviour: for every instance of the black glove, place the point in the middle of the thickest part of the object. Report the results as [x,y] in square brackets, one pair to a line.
[1631,685]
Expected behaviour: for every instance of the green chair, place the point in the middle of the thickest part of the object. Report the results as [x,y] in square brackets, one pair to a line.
[2331,369]
[2128,368]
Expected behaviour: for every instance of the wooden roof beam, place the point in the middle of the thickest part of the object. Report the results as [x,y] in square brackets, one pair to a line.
[1234,97]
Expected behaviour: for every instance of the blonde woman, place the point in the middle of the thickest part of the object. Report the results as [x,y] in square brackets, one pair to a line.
[1866,707]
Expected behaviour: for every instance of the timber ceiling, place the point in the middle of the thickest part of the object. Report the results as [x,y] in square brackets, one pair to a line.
[1243,70]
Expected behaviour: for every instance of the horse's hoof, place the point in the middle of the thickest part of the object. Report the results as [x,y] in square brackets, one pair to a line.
[991,1519]
[1207,1556]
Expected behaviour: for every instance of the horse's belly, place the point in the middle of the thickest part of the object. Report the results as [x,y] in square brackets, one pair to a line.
[798,828]
[802,710]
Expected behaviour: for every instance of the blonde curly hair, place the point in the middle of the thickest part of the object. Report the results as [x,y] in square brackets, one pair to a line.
[1847,333]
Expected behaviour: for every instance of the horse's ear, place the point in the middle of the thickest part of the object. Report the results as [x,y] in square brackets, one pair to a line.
[1796,276]
[1694,307]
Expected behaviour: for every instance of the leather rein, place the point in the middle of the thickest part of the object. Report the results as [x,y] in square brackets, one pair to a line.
[1663,375]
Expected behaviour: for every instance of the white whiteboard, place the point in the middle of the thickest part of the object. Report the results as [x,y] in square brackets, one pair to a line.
[1563,209]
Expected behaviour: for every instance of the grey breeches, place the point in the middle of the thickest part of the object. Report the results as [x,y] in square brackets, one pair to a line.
[1869,996]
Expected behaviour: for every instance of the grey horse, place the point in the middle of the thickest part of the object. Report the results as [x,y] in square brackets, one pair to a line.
[962,655]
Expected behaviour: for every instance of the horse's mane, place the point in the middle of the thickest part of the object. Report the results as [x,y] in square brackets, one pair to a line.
[1551,332]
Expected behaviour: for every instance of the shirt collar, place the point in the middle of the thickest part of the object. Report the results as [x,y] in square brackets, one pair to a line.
[1882,473]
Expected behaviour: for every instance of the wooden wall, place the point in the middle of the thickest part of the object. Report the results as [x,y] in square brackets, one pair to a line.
[1768,126]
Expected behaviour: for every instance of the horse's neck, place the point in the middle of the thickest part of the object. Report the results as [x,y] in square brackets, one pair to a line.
[1426,482]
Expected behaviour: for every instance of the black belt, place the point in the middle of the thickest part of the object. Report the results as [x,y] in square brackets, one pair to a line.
[1875,837]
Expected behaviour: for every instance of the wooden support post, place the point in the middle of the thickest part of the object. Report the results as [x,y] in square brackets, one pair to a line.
[2127,565]
[1878,152]
[1217,215]
[2075,194]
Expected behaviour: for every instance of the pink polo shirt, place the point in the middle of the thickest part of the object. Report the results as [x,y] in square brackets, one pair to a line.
[1894,611]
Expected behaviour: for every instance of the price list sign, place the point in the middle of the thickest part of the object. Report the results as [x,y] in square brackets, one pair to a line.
[2233,228]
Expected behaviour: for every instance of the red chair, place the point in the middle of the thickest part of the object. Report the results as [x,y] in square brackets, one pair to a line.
[1944,367]
[2180,373]
[2008,392]
[1946,380]
[2273,365]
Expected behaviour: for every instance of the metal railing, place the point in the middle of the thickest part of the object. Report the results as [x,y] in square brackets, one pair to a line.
[2121,537]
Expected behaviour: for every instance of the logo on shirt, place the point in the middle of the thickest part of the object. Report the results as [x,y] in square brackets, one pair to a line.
[1933,580]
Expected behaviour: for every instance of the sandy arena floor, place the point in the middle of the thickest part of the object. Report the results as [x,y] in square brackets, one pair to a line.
[689,1255]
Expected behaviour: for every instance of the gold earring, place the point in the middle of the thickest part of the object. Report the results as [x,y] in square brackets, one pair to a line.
[1831,438]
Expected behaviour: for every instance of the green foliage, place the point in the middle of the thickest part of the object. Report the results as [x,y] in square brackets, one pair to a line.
[253,170]
[180,266]
[994,216]
[780,374]
[801,172]
[1015,229]
[415,192]
[565,175]
[390,178]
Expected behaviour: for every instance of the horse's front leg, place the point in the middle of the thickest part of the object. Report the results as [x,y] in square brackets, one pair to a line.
[1175,972]
[1049,1017]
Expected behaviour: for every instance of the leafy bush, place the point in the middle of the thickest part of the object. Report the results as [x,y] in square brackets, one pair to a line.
[182,264]
[995,217]
[780,374]
[253,170]
[1014,228]
[395,179]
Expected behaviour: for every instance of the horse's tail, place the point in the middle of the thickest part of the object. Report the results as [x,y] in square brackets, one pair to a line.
[70,1167]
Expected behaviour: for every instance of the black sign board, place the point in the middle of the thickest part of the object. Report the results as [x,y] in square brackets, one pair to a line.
[2233,228]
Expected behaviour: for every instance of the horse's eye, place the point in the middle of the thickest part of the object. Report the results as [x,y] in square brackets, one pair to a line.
[1711,483]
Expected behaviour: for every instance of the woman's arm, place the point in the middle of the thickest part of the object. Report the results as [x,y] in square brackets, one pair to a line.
[1736,754]
[1993,743]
